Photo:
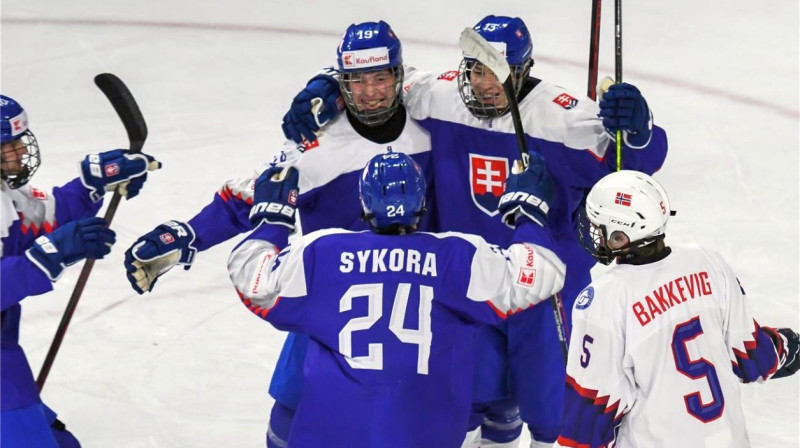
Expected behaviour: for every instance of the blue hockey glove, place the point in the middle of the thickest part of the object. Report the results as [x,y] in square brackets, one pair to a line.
[275,198]
[157,251]
[111,169]
[312,108]
[623,108]
[527,193]
[791,343]
[70,243]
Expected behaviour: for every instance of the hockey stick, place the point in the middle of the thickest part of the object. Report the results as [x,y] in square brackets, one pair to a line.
[128,111]
[594,48]
[618,66]
[474,45]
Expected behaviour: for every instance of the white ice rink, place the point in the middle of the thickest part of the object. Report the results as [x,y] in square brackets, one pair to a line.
[188,365]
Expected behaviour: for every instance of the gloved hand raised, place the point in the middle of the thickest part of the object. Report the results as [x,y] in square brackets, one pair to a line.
[312,108]
[623,108]
[527,193]
[118,168]
[70,243]
[275,198]
[157,251]
[791,343]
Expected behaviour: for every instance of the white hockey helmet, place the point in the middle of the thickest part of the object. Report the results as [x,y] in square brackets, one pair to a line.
[626,209]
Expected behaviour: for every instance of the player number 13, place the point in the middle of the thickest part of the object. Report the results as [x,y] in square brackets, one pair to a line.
[373,292]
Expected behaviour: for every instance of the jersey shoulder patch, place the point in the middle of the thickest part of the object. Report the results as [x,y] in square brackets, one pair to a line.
[449,75]
[585,298]
[566,100]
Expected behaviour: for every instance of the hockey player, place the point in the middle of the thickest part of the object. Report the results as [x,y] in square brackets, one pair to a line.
[655,337]
[391,313]
[42,233]
[370,72]
[473,142]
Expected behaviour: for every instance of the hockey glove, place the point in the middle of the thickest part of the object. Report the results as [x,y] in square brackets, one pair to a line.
[312,108]
[623,108]
[111,169]
[157,251]
[275,199]
[791,343]
[70,243]
[527,193]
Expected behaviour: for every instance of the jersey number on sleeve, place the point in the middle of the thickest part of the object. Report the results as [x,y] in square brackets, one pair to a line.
[697,369]
[373,292]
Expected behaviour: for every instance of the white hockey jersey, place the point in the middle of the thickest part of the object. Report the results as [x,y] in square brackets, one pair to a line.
[329,170]
[657,353]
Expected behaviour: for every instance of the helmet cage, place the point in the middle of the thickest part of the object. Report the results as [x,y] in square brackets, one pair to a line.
[29,162]
[594,240]
[486,110]
[365,116]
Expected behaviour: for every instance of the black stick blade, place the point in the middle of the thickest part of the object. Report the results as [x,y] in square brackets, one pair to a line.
[125,105]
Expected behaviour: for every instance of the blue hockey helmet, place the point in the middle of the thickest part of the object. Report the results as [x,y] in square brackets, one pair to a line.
[20,151]
[370,60]
[392,192]
[510,37]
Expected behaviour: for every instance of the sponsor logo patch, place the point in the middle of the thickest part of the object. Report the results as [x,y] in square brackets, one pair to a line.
[19,124]
[566,101]
[449,76]
[526,277]
[166,238]
[487,176]
[371,57]
[112,169]
[38,194]
[293,197]
[585,298]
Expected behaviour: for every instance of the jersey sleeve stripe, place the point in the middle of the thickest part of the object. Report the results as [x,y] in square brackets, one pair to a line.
[760,360]
[256,309]
[589,420]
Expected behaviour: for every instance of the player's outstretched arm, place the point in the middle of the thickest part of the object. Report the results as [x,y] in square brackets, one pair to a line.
[177,242]
[49,254]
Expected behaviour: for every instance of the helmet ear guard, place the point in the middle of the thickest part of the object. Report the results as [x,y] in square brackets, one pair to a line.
[624,212]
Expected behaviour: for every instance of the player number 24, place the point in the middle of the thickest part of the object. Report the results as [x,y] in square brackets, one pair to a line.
[373,292]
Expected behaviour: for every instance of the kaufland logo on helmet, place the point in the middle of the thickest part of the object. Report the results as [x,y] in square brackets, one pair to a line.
[371,57]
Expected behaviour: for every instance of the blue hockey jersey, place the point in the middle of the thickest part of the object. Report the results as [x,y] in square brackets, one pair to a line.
[28,212]
[472,159]
[391,320]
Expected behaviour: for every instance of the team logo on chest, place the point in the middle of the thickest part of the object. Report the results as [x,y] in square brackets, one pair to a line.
[487,176]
